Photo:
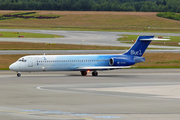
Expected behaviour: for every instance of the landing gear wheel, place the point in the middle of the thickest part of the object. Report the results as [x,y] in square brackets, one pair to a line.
[19,75]
[83,73]
[94,73]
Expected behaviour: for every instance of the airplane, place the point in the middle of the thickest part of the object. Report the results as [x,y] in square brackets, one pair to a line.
[84,63]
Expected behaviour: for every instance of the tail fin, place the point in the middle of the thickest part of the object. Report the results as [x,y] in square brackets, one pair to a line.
[141,45]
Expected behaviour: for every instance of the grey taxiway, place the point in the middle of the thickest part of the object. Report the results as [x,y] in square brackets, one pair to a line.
[127,94]
[84,37]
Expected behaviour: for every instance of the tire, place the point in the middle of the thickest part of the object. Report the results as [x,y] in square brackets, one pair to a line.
[19,75]
[94,73]
[83,73]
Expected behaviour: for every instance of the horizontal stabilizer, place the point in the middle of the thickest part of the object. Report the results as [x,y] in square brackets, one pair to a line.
[141,45]
[150,39]
[102,67]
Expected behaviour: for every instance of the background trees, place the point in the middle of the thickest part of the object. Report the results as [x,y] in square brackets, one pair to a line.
[93,5]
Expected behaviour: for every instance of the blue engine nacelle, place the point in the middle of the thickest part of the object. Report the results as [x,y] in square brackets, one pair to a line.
[119,61]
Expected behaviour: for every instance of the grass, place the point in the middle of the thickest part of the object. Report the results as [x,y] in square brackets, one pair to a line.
[160,60]
[43,46]
[27,35]
[153,60]
[6,60]
[128,38]
[95,20]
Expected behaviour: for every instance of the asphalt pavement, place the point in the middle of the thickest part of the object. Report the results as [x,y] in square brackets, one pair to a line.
[84,37]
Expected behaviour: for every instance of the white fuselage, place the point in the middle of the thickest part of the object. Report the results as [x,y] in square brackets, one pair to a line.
[59,62]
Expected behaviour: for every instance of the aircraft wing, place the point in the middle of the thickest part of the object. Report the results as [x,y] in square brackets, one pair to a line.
[102,67]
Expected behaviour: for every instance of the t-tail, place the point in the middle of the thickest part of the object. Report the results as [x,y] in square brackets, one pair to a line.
[140,46]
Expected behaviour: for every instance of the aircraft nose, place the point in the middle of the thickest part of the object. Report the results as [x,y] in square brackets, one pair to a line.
[13,67]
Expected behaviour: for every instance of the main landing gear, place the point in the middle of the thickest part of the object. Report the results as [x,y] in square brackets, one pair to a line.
[94,73]
[18,74]
[84,73]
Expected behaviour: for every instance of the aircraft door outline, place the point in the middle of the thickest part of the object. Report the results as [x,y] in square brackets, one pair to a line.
[30,62]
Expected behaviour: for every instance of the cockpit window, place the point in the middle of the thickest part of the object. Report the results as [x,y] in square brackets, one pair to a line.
[22,60]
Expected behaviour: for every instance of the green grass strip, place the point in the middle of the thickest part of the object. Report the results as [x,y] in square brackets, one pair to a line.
[27,35]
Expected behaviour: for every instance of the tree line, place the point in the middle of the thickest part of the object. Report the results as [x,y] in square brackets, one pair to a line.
[93,5]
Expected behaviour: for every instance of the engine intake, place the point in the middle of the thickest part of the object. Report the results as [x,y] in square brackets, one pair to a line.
[119,61]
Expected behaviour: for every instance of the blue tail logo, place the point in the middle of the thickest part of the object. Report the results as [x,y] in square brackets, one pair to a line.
[140,46]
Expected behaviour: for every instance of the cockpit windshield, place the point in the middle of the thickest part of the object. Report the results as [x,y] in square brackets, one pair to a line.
[22,60]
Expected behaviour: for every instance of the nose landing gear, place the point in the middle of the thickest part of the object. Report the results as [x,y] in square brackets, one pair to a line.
[18,74]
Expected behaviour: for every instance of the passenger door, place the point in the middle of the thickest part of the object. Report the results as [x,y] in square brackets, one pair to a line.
[30,62]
